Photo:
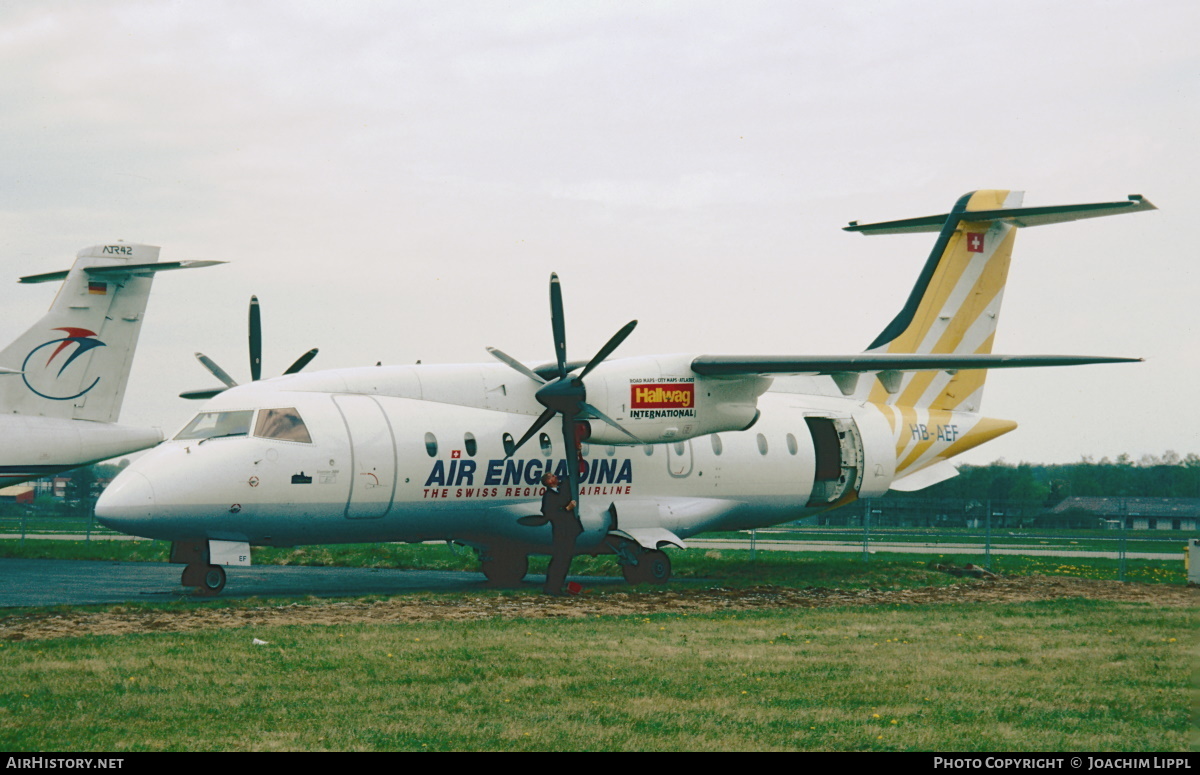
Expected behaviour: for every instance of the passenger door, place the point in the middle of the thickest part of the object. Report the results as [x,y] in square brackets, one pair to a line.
[372,457]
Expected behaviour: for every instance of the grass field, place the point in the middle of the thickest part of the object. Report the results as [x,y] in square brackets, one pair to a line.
[1072,675]
[1059,675]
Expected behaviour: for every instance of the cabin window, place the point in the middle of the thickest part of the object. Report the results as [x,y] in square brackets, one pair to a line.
[547,447]
[648,449]
[584,449]
[718,447]
[213,425]
[282,424]
[469,443]
[762,444]
[679,448]
[610,450]
[509,445]
[431,444]
[793,447]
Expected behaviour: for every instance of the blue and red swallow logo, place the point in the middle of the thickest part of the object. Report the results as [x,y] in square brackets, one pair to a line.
[46,376]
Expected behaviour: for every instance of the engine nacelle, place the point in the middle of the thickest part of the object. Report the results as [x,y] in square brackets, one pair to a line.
[660,399]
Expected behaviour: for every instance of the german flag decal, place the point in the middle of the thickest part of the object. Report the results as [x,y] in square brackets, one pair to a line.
[99,289]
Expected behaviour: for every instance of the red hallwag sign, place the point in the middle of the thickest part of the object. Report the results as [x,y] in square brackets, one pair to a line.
[662,396]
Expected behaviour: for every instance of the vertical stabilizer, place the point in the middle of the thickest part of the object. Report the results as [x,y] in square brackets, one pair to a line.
[954,306]
[74,363]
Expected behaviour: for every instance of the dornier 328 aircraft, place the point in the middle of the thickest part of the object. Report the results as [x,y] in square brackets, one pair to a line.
[655,448]
[62,381]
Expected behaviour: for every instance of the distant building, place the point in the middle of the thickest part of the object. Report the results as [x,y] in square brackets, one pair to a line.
[18,493]
[1136,513]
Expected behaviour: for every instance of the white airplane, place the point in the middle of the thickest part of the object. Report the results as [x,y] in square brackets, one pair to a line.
[656,448]
[62,381]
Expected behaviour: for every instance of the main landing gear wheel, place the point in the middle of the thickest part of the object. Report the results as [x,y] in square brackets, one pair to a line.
[505,569]
[208,580]
[653,567]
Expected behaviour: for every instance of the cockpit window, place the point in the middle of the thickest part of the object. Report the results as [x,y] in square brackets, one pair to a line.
[282,424]
[212,425]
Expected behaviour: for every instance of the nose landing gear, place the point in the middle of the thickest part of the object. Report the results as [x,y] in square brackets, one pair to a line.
[208,580]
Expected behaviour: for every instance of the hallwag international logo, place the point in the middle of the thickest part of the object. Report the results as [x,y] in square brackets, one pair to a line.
[43,379]
[663,398]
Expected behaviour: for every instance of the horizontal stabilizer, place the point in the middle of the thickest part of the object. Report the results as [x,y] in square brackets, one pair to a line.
[741,365]
[138,270]
[1015,216]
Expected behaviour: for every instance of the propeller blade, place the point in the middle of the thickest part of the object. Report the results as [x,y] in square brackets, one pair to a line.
[607,349]
[568,430]
[514,363]
[197,394]
[302,361]
[255,341]
[542,419]
[601,416]
[216,370]
[559,325]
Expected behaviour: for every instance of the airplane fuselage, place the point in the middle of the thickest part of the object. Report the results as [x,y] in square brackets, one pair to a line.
[406,454]
[658,447]
[42,446]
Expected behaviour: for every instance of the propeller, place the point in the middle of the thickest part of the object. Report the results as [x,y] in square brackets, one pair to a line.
[566,394]
[255,359]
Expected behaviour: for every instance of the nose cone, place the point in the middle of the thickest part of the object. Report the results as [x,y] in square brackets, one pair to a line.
[127,503]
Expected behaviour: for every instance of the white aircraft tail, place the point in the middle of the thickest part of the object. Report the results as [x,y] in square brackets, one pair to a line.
[955,305]
[74,363]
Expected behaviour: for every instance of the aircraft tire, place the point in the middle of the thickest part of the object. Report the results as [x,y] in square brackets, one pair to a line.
[193,575]
[658,567]
[654,567]
[505,569]
[212,582]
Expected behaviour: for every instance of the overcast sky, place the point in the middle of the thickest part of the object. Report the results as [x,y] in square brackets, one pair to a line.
[397,180]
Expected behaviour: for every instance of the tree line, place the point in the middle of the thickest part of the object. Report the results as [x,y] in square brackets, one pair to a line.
[1168,476]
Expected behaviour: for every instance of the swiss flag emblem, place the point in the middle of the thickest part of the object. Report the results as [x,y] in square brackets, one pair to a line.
[455,454]
[974,242]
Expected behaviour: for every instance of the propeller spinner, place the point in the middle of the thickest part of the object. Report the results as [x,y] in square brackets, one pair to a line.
[255,359]
[566,394]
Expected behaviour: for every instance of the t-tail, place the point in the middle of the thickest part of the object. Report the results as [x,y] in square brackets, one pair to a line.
[952,312]
[955,304]
[74,363]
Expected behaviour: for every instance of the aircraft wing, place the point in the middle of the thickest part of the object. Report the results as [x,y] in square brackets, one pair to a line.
[865,363]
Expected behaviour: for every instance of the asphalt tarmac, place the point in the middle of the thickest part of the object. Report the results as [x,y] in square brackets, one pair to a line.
[25,583]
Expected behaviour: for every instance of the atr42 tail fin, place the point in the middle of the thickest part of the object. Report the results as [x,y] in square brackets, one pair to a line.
[955,304]
[74,363]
